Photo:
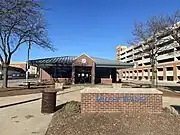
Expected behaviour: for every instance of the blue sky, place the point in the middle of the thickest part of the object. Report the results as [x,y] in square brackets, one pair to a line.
[94,27]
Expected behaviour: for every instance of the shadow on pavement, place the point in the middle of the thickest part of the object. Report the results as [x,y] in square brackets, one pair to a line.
[174,88]
[27,101]
[177,108]
[60,106]
[18,103]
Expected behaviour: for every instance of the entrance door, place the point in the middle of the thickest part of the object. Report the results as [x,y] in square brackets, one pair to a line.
[82,74]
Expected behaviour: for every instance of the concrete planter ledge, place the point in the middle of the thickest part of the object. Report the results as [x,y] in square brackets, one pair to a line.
[50,90]
[122,90]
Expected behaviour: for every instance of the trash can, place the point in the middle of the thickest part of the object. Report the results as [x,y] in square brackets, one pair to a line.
[48,102]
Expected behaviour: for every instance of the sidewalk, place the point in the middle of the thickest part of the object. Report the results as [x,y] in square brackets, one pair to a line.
[26,118]
[13,100]
[146,82]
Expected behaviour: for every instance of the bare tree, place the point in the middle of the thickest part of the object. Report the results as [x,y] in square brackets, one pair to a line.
[152,35]
[20,21]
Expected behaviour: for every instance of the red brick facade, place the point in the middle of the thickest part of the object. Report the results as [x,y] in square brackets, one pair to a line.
[81,69]
[19,65]
[89,63]
[44,75]
[106,81]
[78,61]
[152,103]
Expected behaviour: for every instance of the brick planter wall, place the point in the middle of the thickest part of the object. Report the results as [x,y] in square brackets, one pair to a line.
[121,100]
[106,81]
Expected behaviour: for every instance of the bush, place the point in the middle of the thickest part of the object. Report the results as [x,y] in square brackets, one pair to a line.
[71,107]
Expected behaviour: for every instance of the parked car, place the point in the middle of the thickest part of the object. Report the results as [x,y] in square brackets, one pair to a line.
[15,73]
[178,81]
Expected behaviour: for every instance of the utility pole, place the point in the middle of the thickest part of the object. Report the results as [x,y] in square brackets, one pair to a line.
[27,63]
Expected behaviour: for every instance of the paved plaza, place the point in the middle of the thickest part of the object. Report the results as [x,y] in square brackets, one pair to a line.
[26,118]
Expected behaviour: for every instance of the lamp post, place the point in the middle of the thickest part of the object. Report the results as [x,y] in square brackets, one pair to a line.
[27,63]
[156,62]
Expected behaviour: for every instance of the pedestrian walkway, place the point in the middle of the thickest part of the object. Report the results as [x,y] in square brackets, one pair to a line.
[26,118]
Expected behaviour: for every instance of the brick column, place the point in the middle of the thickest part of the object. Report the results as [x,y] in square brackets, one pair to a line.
[44,75]
[132,74]
[121,74]
[73,75]
[40,74]
[142,74]
[110,74]
[93,73]
[164,74]
[137,75]
[149,77]
[125,73]
[174,72]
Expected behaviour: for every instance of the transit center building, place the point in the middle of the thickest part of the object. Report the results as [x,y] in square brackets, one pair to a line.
[79,69]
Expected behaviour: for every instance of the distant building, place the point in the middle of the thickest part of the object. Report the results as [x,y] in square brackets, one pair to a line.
[18,70]
[168,61]
[33,70]
[13,72]
[118,50]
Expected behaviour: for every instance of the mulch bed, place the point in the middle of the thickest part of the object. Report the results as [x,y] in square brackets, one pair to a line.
[74,123]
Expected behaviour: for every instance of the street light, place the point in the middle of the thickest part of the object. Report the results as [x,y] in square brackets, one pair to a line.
[27,63]
[156,62]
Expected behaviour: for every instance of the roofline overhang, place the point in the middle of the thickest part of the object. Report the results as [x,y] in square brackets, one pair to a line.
[43,65]
[115,66]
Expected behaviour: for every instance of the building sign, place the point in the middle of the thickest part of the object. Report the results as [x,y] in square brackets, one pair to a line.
[121,99]
[83,61]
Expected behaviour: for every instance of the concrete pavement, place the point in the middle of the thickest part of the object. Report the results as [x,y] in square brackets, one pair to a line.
[16,82]
[26,118]
[145,82]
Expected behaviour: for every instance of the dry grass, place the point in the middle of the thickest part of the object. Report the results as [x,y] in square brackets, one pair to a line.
[14,91]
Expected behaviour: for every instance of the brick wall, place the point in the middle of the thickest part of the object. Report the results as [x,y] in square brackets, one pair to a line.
[44,75]
[63,80]
[145,103]
[89,63]
[106,81]
[19,65]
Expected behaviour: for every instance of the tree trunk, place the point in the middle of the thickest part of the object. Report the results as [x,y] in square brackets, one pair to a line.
[153,76]
[5,75]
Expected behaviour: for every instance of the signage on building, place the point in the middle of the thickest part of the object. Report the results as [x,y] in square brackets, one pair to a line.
[83,61]
[121,99]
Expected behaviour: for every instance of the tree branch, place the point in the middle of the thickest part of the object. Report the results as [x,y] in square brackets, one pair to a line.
[1,59]
[17,46]
[2,42]
[8,36]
